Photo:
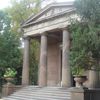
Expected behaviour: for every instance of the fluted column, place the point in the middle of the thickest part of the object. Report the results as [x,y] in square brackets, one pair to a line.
[66,70]
[25,70]
[43,61]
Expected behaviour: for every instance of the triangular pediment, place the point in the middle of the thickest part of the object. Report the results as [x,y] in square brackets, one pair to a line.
[50,11]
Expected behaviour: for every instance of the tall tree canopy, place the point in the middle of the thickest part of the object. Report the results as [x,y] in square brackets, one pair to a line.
[85,50]
[20,10]
[88,9]
[9,43]
[10,55]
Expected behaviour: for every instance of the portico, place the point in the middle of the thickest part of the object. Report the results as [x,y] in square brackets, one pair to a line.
[49,27]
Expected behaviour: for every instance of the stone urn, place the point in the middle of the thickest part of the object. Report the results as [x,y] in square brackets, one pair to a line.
[79,80]
[9,79]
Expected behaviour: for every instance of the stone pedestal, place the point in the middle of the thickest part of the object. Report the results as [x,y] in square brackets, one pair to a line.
[43,62]
[79,94]
[85,94]
[94,79]
[66,71]
[25,70]
[8,89]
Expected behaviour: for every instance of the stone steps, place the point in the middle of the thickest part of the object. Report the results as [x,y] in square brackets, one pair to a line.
[37,93]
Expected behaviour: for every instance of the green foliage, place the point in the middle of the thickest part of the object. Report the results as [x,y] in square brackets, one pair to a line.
[20,10]
[78,71]
[10,73]
[89,10]
[34,50]
[85,50]
[10,55]
[9,43]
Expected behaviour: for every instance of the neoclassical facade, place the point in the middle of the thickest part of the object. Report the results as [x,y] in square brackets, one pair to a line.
[49,27]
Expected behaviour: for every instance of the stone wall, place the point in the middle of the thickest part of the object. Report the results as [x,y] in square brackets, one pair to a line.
[53,65]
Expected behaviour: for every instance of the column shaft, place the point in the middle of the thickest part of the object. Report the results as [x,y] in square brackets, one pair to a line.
[43,62]
[25,70]
[66,71]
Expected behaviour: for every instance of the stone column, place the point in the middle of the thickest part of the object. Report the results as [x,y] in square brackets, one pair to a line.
[43,61]
[25,70]
[66,71]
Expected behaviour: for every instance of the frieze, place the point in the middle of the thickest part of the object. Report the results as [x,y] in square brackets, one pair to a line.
[56,22]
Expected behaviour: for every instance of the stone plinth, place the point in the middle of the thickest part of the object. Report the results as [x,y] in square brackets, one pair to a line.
[94,79]
[85,94]
[8,89]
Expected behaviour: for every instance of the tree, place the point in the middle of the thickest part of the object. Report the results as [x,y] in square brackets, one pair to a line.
[85,46]
[89,10]
[9,43]
[10,55]
[85,50]
[20,10]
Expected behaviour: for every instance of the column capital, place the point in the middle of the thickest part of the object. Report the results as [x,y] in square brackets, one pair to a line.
[64,28]
[45,33]
[26,37]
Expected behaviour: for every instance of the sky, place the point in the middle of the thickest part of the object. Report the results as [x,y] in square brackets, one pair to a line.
[5,3]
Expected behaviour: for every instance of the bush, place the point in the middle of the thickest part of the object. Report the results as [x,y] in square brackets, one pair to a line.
[10,73]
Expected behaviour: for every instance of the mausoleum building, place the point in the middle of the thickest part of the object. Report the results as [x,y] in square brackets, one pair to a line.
[50,28]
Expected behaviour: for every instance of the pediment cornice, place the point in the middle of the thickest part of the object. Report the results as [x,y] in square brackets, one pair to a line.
[49,12]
